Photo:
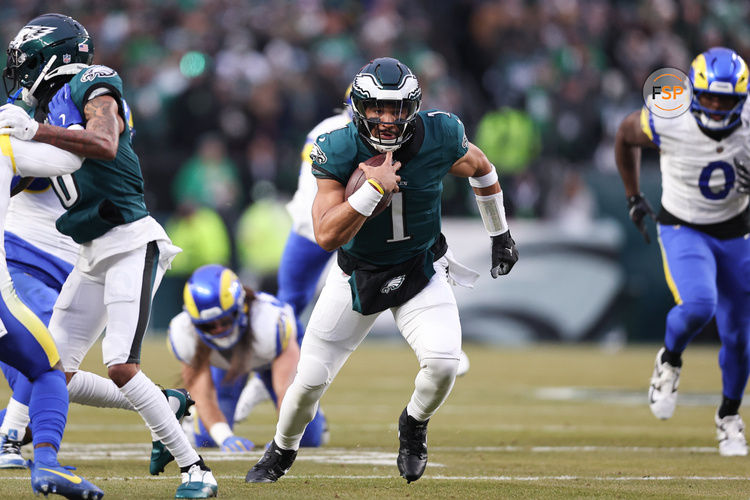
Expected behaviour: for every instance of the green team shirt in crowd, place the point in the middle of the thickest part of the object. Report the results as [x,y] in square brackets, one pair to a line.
[411,224]
[102,194]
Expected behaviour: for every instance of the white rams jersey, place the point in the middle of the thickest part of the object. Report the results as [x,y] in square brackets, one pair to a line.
[300,208]
[32,215]
[698,176]
[28,159]
[272,323]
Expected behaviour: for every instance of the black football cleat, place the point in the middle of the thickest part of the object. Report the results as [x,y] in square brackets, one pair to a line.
[273,464]
[412,450]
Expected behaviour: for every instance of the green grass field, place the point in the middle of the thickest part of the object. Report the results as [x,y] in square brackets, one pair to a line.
[544,422]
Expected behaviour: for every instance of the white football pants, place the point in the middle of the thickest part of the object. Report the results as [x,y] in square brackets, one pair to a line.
[429,322]
[116,293]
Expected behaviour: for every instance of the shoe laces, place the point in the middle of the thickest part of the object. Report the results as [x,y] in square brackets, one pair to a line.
[732,427]
[274,457]
[416,437]
[10,447]
[666,375]
[196,473]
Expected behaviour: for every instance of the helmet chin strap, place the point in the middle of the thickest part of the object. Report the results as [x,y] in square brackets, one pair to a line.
[28,97]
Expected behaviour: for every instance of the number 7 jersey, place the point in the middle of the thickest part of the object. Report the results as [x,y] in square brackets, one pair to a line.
[697,172]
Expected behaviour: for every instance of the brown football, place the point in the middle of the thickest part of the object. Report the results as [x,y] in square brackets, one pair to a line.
[358,178]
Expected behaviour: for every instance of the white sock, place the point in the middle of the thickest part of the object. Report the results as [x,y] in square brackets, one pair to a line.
[15,421]
[86,388]
[297,410]
[154,408]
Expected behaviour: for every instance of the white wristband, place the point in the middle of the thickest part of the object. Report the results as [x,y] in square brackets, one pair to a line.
[492,210]
[220,431]
[365,199]
[485,180]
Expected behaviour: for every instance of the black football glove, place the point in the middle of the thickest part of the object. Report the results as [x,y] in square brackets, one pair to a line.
[743,175]
[638,209]
[504,254]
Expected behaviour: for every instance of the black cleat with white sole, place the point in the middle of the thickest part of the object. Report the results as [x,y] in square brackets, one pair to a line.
[412,450]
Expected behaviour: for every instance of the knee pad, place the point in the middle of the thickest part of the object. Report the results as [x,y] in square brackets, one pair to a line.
[312,374]
[440,370]
[697,314]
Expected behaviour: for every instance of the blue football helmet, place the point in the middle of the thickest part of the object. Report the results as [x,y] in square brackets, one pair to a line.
[215,301]
[385,82]
[718,71]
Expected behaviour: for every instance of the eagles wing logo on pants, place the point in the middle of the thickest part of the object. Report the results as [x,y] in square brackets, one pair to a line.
[393,284]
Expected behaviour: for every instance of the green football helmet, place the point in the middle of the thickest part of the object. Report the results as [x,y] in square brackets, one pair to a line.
[44,55]
[381,83]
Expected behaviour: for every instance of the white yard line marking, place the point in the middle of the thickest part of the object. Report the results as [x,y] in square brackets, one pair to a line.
[307,477]
[619,396]
[128,451]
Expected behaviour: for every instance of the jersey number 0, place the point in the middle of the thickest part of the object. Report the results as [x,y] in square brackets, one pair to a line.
[65,189]
[705,179]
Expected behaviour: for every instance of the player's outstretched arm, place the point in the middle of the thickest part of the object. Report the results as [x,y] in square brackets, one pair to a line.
[629,140]
[35,159]
[484,181]
[202,389]
[99,140]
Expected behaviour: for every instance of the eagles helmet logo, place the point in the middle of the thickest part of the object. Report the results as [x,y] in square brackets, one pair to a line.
[28,33]
[317,155]
[97,72]
[393,284]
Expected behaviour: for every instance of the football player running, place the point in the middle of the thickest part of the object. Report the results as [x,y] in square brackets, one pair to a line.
[225,333]
[301,250]
[124,252]
[402,245]
[702,228]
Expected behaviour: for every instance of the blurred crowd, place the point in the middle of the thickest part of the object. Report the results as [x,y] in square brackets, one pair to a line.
[224,91]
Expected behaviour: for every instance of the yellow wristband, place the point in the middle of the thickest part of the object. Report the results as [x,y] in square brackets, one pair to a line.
[376,185]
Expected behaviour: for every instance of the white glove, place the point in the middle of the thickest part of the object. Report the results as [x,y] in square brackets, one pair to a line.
[14,121]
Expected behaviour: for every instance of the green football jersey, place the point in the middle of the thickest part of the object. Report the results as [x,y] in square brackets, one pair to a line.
[411,223]
[101,194]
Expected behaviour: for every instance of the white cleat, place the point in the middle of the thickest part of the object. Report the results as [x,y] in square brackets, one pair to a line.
[10,454]
[730,432]
[662,395]
[463,365]
[197,482]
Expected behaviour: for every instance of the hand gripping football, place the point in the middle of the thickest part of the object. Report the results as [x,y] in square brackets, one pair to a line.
[358,178]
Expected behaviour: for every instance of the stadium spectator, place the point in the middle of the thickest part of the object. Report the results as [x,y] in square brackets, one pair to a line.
[210,179]
[203,237]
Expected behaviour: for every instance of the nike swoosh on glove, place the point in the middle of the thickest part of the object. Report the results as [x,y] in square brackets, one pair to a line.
[504,254]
